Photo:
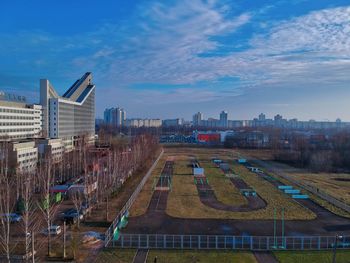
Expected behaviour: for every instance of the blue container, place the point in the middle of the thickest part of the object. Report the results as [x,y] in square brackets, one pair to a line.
[292,191]
[283,187]
[300,196]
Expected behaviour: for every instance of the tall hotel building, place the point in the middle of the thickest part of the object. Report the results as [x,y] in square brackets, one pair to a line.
[72,115]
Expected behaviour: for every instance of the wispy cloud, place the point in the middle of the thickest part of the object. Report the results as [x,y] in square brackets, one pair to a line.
[165,42]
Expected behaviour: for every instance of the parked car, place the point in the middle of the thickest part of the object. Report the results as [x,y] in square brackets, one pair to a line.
[12,217]
[71,216]
[54,230]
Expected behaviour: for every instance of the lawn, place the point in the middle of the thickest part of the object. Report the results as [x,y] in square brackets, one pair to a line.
[183,200]
[312,256]
[113,255]
[192,256]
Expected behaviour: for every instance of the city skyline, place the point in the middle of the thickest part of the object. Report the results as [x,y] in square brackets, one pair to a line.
[169,60]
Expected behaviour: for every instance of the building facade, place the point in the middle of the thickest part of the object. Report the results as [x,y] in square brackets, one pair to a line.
[23,156]
[19,120]
[115,117]
[72,115]
[197,119]
[138,123]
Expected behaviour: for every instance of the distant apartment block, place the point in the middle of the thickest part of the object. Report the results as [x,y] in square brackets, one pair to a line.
[72,115]
[137,123]
[19,120]
[114,117]
[172,122]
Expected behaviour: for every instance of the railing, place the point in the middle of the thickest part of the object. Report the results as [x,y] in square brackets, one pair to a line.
[316,191]
[129,203]
[256,243]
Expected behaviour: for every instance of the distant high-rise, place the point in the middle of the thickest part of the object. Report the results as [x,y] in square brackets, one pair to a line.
[262,117]
[115,117]
[197,119]
[223,119]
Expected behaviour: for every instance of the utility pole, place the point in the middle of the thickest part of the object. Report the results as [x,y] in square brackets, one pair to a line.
[337,237]
[283,239]
[64,239]
[274,229]
[33,248]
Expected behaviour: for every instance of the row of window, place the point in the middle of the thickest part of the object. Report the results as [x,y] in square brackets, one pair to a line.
[18,111]
[28,161]
[15,130]
[16,117]
[17,123]
[27,154]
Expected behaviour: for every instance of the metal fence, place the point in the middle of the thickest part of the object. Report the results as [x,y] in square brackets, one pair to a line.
[316,191]
[145,241]
[128,204]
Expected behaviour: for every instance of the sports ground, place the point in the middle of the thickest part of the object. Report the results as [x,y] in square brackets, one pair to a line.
[227,199]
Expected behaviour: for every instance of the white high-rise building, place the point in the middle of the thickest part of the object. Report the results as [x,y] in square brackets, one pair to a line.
[72,115]
[197,119]
[19,120]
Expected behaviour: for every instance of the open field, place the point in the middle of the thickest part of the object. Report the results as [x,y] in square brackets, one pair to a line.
[224,190]
[176,256]
[141,204]
[312,256]
[333,184]
[336,185]
[184,202]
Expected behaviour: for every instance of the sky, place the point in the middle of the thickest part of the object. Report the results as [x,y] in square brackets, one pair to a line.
[170,58]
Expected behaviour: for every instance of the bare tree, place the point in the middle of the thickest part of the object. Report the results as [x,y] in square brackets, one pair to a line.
[30,218]
[46,204]
[7,200]
[78,198]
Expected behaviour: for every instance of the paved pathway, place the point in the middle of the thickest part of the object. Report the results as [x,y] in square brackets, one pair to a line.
[141,256]
[265,257]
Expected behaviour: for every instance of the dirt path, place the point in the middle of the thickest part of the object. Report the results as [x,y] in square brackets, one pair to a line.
[265,257]
[208,197]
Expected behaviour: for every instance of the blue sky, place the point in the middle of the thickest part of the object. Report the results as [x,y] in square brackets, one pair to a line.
[172,58]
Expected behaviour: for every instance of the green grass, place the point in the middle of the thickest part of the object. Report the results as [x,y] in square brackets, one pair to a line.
[186,256]
[312,256]
[113,255]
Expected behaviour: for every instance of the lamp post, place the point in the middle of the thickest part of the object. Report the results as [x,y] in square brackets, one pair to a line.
[337,237]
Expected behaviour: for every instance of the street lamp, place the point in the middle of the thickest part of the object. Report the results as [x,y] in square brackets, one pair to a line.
[337,237]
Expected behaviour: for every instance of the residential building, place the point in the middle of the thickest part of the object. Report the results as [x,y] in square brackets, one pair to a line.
[19,120]
[23,156]
[137,123]
[197,119]
[172,122]
[51,147]
[224,119]
[72,115]
[115,117]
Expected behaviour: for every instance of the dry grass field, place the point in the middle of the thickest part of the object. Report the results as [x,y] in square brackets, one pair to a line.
[336,185]
[183,200]
[141,204]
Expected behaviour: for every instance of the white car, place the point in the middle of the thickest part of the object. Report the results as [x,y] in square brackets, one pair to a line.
[54,230]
